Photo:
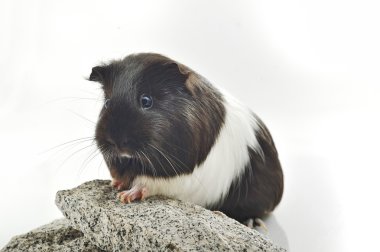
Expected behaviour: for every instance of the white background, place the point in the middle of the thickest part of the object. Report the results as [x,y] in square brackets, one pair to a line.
[310,69]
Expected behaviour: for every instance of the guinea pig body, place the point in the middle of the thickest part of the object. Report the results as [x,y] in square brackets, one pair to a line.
[165,130]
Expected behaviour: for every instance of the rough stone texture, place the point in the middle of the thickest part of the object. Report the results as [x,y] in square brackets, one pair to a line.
[56,236]
[156,224]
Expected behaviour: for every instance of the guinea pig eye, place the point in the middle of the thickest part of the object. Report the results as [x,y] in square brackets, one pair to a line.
[106,103]
[146,101]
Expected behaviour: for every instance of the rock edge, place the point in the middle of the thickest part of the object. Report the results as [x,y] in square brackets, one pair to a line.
[96,221]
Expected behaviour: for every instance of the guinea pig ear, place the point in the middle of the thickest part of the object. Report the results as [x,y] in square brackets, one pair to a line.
[191,81]
[100,74]
[179,69]
[186,75]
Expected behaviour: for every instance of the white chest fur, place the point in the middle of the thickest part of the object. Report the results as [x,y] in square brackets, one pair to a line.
[209,183]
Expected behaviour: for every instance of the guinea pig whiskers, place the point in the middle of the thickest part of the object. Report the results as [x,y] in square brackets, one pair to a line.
[106,156]
[185,166]
[68,144]
[64,151]
[161,165]
[100,164]
[167,159]
[85,162]
[178,163]
[76,152]
[171,145]
[107,153]
[143,164]
[151,165]
[69,99]
[80,116]
[88,160]
[140,161]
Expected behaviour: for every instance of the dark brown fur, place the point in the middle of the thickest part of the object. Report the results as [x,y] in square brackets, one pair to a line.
[260,188]
[183,123]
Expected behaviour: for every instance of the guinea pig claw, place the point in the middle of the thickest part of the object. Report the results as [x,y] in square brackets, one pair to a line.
[219,213]
[144,192]
[250,223]
[260,223]
[256,223]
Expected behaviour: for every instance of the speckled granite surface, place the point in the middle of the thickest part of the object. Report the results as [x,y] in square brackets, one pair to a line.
[56,236]
[156,224]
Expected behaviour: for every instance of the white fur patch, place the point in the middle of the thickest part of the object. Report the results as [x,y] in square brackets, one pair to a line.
[210,182]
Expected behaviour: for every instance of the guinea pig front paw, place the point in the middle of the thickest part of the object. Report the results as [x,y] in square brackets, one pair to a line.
[137,192]
[256,222]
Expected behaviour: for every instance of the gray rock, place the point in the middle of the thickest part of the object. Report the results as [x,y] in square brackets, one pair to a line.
[155,224]
[55,236]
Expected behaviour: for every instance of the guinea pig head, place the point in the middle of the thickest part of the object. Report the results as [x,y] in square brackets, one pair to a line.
[150,123]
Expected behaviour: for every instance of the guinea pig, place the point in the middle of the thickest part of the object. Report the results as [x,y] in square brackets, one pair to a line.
[166,130]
